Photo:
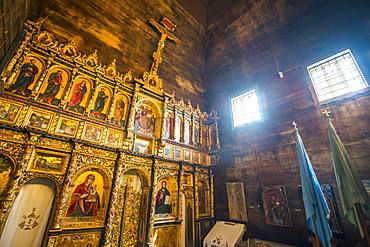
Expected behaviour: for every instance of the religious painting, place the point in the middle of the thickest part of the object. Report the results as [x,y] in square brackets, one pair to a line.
[86,196]
[163,200]
[67,127]
[48,162]
[53,86]
[236,201]
[214,137]
[7,167]
[100,105]
[334,218]
[142,146]
[205,159]
[144,120]
[187,155]
[166,199]
[276,206]
[92,132]
[79,95]
[189,218]
[27,76]
[39,119]
[113,138]
[119,110]
[196,136]
[178,128]
[83,239]
[366,183]
[196,157]
[177,153]
[187,132]
[203,198]
[168,130]
[204,136]
[187,180]
[9,111]
[167,152]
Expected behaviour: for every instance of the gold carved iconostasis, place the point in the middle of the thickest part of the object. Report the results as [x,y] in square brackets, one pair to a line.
[93,157]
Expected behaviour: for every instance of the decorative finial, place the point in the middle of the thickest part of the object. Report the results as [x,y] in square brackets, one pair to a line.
[326,113]
[295,126]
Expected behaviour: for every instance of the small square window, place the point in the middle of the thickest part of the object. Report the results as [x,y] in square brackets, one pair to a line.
[245,108]
[336,76]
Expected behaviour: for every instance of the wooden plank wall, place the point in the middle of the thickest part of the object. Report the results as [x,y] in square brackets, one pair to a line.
[240,57]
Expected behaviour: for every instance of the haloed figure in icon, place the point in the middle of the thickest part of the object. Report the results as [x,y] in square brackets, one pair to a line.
[163,200]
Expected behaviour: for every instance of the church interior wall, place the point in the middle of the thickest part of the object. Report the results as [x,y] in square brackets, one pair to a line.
[120,30]
[240,57]
[226,48]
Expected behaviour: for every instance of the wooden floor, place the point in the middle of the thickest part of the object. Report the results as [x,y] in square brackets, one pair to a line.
[261,243]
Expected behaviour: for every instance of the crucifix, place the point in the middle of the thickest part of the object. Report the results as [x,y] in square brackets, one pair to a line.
[326,113]
[165,28]
[295,125]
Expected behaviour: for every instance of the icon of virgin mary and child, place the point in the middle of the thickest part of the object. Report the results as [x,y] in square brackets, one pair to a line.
[85,199]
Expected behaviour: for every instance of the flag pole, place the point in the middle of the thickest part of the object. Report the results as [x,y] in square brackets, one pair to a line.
[316,234]
[317,241]
[358,208]
[362,222]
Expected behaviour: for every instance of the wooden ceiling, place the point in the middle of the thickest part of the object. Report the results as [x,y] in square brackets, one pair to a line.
[13,14]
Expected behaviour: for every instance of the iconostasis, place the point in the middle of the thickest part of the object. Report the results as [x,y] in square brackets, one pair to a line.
[93,157]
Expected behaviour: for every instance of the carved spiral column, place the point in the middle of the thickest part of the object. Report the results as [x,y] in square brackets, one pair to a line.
[69,87]
[92,93]
[151,235]
[211,177]
[66,189]
[130,119]
[165,115]
[113,228]
[196,179]
[113,101]
[181,192]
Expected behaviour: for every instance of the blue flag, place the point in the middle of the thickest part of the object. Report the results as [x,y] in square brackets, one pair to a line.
[313,198]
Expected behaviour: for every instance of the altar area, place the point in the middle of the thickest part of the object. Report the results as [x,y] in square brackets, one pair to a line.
[91,156]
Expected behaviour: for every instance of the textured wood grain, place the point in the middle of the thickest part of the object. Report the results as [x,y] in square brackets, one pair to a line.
[121,30]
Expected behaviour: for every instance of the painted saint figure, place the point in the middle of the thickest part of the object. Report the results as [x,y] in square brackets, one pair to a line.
[214,142]
[99,103]
[144,121]
[6,167]
[163,200]
[277,214]
[202,199]
[119,111]
[77,95]
[169,127]
[25,78]
[54,84]
[85,199]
